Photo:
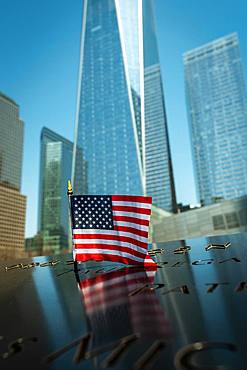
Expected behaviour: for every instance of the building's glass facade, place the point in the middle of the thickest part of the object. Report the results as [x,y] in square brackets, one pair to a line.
[158,165]
[11,143]
[55,171]
[217,110]
[111,118]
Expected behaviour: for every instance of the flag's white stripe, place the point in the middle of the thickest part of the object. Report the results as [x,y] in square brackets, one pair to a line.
[131,204]
[114,281]
[106,251]
[117,223]
[110,242]
[148,258]
[131,224]
[142,239]
[137,215]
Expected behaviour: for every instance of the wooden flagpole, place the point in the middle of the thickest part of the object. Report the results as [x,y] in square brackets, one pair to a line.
[70,193]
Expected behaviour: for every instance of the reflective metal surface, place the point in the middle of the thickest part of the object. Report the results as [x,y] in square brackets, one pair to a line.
[189,314]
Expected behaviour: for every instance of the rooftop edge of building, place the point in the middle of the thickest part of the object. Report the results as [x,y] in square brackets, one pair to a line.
[210,46]
[9,100]
[54,136]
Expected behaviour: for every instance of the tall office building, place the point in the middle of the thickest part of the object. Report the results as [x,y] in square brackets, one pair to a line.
[55,170]
[11,143]
[12,202]
[217,110]
[121,124]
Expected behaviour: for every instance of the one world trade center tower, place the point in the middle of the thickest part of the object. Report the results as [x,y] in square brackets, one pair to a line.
[121,129]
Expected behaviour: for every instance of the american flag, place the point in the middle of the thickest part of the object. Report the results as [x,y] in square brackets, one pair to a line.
[111,228]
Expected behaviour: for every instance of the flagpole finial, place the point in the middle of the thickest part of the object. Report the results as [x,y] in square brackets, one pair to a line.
[70,191]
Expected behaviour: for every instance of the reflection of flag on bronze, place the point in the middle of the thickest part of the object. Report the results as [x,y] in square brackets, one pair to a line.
[111,228]
[113,288]
[114,309]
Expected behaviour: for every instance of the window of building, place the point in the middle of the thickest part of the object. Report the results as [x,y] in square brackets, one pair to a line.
[218,222]
[232,220]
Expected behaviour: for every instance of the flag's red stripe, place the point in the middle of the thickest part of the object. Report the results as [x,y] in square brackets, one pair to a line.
[108,257]
[111,237]
[131,198]
[144,211]
[116,248]
[131,219]
[131,230]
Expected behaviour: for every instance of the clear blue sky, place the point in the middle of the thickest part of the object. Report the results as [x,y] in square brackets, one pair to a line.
[39,57]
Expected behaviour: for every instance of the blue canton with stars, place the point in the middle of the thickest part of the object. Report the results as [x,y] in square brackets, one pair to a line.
[91,212]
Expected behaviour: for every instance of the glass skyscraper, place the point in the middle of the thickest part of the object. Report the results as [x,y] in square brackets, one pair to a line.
[121,124]
[55,171]
[217,111]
